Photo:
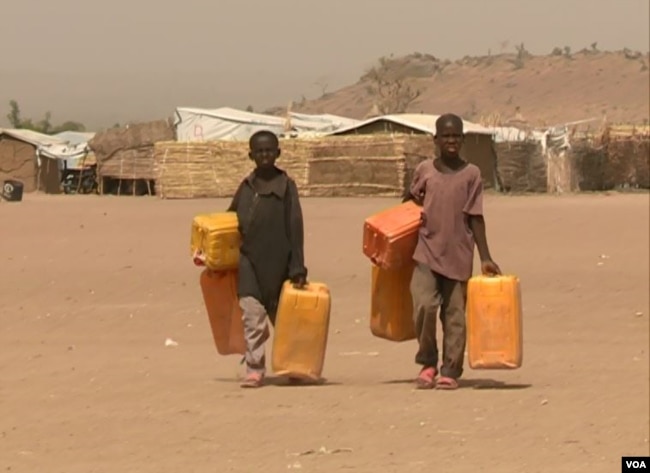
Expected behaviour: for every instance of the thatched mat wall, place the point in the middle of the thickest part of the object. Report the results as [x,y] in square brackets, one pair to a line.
[214,168]
[127,153]
[590,161]
[613,160]
[333,166]
[521,167]
[18,161]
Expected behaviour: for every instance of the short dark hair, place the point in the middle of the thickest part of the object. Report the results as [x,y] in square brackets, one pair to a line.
[264,134]
[449,117]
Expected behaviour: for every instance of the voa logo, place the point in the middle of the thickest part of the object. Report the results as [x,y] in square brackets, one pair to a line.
[635,464]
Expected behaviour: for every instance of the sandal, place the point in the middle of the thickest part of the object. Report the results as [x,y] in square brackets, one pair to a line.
[446,383]
[253,380]
[427,378]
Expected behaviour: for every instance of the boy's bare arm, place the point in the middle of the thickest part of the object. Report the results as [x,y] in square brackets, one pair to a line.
[477,226]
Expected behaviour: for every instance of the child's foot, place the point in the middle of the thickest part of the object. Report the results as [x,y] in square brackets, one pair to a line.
[253,380]
[447,383]
[427,378]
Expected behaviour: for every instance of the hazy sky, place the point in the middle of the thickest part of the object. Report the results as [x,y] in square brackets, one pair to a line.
[103,62]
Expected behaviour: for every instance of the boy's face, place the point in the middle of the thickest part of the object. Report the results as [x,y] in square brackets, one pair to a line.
[449,139]
[264,151]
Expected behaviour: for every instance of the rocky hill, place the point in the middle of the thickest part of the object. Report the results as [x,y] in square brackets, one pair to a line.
[544,90]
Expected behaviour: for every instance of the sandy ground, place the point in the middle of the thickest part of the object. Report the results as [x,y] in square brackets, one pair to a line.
[91,288]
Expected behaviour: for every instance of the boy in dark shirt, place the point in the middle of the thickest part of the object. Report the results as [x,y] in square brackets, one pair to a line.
[450,191]
[271,226]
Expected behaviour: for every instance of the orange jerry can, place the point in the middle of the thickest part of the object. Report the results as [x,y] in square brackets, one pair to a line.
[494,322]
[222,304]
[391,305]
[301,331]
[390,236]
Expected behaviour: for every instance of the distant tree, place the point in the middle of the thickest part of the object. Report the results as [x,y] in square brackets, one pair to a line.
[42,126]
[45,125]
[323,85]
[522,55]
[522,52]
[69,126]
[391,93]
[250,109]
[14,117]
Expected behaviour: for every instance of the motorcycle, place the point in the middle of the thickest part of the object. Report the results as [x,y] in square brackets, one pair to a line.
[83,181]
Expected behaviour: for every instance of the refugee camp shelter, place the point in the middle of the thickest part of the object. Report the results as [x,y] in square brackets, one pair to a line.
[198,125]
[124,155]
[20,160]
[71,153]
[477,149]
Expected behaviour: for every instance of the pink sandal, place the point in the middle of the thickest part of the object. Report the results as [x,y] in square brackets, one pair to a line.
[427,378]
[446,383]
[253,380]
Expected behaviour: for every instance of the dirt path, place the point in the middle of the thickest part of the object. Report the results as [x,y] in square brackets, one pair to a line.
[92,287]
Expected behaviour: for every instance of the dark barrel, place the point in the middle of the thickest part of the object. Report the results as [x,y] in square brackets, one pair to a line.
[12,191]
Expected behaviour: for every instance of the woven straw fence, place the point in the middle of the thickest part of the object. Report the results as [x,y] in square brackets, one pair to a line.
[332,166]
[128,152]
[522,167]
[619,158]
[135,163]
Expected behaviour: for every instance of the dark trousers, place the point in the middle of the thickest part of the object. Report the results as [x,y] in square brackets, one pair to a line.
[432,292]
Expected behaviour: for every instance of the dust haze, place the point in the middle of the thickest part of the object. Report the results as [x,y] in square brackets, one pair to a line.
[102,63]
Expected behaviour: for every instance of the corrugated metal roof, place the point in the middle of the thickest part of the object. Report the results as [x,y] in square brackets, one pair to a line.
[417,121]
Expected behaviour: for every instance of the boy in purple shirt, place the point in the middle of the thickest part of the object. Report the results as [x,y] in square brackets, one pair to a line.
[450,191]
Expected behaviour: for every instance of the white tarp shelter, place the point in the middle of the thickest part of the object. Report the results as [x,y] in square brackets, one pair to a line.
[511,134]
[69,148]
[71,151]
[196,124]
[557,136]
[34,138]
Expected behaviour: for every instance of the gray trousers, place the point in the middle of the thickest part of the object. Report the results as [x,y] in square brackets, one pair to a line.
[256,332]
[431,292]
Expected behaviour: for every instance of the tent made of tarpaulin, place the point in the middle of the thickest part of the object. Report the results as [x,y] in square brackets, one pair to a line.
[195,124]
[71,152]
[324,123]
